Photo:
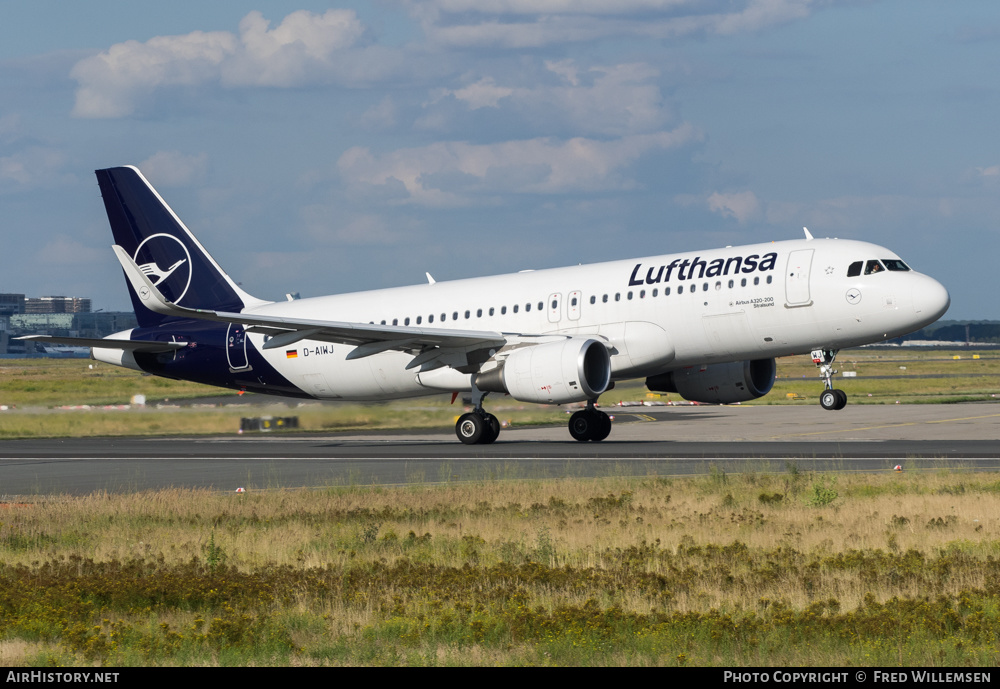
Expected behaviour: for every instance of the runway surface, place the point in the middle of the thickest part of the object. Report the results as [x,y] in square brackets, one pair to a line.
[662,441]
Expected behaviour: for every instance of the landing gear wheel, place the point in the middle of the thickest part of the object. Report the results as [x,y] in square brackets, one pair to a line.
[603,428]
[589,424]
[477,428]
[582,425]
[829,399]
[833,399]
[492,431]
[471,427]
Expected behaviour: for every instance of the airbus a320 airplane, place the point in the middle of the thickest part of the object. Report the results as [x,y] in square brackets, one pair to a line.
[706,325]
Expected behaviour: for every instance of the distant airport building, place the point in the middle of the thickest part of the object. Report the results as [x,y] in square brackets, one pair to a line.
[56,305]
[103,323]
[11,304]
[86,324]
[54,315]
[43,323]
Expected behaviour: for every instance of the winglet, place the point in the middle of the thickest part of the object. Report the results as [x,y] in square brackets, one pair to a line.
[808,235]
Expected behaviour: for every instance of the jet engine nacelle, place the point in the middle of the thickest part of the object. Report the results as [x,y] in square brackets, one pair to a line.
[738,381]
[572,370]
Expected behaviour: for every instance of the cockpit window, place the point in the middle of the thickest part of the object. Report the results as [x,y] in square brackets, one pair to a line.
[873,267]
[895,264]
[854,269]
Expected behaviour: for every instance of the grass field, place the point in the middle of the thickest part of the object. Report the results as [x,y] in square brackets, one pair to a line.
[726,570]
[34,386]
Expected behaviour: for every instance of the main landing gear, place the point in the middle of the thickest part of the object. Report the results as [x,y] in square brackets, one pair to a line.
[477,426]
[589,424]
[830,399]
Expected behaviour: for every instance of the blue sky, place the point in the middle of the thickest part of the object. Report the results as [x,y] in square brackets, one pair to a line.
[329,147]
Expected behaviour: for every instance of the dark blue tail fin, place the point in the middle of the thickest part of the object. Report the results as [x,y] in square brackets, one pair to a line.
[165,250]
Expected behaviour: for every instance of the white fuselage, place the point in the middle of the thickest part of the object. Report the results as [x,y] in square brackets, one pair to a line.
[658,313]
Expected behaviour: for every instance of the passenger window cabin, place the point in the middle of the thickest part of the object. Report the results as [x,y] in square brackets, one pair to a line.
[870,267]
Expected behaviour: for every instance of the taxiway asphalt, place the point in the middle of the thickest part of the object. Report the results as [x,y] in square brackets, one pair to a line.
[662,441]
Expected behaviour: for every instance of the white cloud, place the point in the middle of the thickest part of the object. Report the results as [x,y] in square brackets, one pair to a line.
[742,205]
[609,100]
[174,169]
[300,50]
[483,94]
[527,23]
[31,168]
[566,69]
[382,115]
[450,173]
[297,51]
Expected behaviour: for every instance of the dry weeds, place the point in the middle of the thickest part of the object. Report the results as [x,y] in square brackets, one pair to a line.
[790,569]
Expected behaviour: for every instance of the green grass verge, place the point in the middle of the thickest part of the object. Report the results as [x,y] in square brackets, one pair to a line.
[35,385]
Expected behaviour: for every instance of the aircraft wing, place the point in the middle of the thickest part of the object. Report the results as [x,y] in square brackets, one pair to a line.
[108,343]
[434,347]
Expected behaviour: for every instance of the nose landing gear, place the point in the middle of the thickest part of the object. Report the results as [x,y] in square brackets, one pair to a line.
[830,399]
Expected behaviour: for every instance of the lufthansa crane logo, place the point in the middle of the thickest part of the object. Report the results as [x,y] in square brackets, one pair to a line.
[167,263]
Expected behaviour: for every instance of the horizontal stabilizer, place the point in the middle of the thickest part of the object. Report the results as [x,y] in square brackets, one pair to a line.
[108,343]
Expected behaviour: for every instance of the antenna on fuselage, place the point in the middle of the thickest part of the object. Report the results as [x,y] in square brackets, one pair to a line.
[808,234]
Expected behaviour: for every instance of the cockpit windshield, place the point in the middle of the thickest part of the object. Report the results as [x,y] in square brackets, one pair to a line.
[872,266]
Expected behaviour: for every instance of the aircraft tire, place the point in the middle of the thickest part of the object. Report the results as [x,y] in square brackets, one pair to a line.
[492,430]
[582,425]
[603,429]
[470,428]
[829,399]
[841,399]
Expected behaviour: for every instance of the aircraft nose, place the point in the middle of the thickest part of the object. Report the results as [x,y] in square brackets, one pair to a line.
[930,299]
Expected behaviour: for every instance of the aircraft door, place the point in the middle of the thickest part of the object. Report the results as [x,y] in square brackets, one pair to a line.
[236,347]
[555,308]
[573,307]
[797,278]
